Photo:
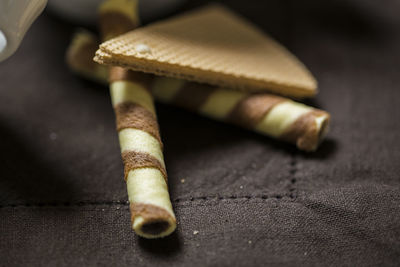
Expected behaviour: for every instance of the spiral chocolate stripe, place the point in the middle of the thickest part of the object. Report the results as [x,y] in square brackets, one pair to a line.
[134,160]
[121,74]
[251,109]
[132,115]
[193,95]
[114,23]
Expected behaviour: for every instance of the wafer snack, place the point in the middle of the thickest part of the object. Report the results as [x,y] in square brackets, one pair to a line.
[215,46]
[117,17]
[268,114]
[80,58]
[271,115]
[139,137]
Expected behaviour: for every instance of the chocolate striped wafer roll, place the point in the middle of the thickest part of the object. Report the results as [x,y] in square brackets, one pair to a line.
[117,17]
[271,115]
[141,149]
[139,137]
[80,59]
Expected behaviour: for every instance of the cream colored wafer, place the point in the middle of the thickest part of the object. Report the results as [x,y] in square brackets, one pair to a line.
[139,137]
[211,45]
[267,114]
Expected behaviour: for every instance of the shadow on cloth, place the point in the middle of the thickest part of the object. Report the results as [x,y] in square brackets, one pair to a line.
[363,212]
[164,247]
[349,20]
[205,133]
[27,178]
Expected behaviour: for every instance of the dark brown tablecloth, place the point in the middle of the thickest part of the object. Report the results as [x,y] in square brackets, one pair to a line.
[253,201]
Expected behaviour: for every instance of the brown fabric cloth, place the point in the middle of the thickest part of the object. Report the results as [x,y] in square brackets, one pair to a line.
[254,201]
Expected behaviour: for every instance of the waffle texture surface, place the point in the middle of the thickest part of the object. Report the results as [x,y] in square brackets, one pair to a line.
[215,46]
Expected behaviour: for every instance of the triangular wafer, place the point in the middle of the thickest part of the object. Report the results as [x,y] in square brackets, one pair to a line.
[215,46]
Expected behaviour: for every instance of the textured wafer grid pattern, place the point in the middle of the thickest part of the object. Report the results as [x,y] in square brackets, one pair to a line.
[211,45]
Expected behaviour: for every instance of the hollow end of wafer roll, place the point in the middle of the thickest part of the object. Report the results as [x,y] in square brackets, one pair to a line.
[150,221]
[322,128]
[309,130]
[151,210]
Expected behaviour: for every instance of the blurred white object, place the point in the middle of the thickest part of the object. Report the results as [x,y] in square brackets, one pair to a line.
[16,16]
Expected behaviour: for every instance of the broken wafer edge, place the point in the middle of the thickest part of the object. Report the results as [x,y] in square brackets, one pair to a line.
[271,115]
[141,147]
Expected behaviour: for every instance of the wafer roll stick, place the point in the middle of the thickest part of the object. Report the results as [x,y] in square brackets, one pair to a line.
[139,137]
[267,114]
[80,59]
[271,115]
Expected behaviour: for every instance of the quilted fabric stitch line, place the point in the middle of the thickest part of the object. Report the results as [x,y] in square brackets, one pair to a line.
[292,175]
[126,203]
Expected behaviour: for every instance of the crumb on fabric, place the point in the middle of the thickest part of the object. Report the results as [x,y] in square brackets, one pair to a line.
[53,136]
